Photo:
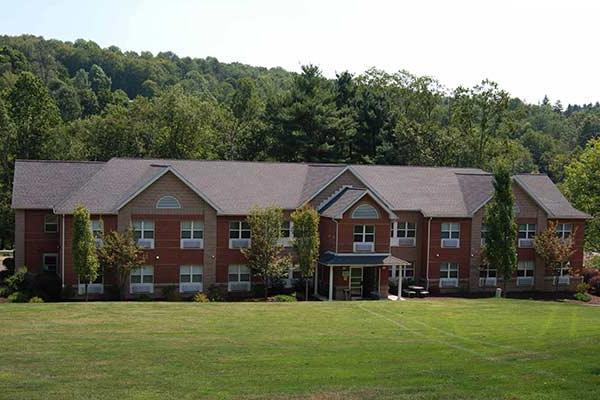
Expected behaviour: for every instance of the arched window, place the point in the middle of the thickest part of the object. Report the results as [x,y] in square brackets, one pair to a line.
[365,211]
[168,202]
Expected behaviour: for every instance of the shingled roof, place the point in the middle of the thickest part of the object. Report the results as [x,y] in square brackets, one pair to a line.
[234,187]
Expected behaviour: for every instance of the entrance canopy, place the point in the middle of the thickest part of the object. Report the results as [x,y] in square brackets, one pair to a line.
[364,260]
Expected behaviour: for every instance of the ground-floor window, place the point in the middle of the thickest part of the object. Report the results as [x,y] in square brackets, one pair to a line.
[449,274]
[487,276]
[238,278]
[94,287]
[142,280]
[190,278]
[50,262]
[564,277]
[406,271]
[525,271]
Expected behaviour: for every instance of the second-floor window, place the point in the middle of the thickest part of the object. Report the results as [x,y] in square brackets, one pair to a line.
[484,232]
[364,233]
[50,262]
[192,234]
[564,230]
[403,233]
[97,228]
[143,232]
[286,230]
[364,238]
[450,234]
[51,223]
[239,235]
[526,235]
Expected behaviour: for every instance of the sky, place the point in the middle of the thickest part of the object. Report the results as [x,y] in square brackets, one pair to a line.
[531,48]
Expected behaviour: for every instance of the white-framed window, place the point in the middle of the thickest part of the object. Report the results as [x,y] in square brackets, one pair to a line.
[406,271]
[287,233]
[365,211]
[525,272]
[239,234]
[448,274]
[168,202]
[238,278]
[142,280]
[526,235]
[450,234]
[364,238]
[488,276]
[564,277]
[287,230]
[143,231]
[403,234]
[190,278]
[564,231]
[50,262]
[51,223]
[192,234]
[95,287]
[97,226]
[484,232]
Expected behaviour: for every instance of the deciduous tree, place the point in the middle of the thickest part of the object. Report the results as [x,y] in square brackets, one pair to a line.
[306,241]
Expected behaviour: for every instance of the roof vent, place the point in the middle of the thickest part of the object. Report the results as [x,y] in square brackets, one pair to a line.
[160,165]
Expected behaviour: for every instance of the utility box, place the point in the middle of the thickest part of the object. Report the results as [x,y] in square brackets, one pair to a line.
[498,292]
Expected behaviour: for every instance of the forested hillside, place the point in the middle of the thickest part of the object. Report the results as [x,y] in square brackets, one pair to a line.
[61,100]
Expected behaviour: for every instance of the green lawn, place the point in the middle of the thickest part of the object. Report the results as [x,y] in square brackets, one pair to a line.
[434,349]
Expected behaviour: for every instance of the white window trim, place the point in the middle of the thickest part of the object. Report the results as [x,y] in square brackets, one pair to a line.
[191,241]
[403,240]
[191,287]
[287,241]
[143,230]
[239,237]
[97,233]
[483,234]
[487,280]
[357,244]
[528,278]
[562,231]
[450,232]
[239,285]
[530,232]
[447,281]
[92,288]
[46,223]
[148,286]
[168,198]
[396,270]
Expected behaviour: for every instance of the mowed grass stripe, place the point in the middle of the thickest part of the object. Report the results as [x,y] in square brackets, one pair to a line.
[454,348]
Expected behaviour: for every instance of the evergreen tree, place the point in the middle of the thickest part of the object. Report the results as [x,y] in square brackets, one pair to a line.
[500,248]
[85,261]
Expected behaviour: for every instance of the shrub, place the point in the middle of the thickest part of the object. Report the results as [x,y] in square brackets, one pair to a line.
[583,296]
[215,293]
[200,298]
[18,282]
[18,297]
[171,293]
[582,288]
[112,292]
[4,292]
[284,298]
[47,285]
[36,299]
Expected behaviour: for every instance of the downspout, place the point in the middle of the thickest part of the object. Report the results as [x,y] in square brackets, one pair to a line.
[428,249]
[62,251]
[336,234]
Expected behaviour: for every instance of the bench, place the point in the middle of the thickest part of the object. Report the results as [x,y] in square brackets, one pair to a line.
[409,293]
[423,293]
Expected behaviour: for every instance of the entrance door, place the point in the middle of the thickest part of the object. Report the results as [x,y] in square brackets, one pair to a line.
[356,282]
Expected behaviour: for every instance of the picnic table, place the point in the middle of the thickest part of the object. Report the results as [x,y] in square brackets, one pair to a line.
[415,290]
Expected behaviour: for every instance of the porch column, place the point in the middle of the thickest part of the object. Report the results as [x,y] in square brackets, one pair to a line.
[330,282]
[316,279]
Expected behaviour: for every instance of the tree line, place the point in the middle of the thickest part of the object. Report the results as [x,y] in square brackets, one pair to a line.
[63,100]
